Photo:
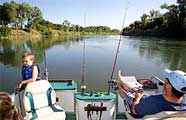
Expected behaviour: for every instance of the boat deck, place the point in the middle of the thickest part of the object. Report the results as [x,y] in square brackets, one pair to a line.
[72,116]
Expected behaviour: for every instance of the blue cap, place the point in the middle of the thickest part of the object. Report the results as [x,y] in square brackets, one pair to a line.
[177,79]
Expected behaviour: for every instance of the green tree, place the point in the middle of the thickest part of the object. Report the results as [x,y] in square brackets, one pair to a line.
[66,25]
[77,27]
[23,13]
[4,31]
[4,17]
[138,24]
[12,10]
[72,28]
[144,20]
[35,16]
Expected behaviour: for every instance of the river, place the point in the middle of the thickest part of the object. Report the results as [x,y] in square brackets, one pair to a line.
[139,56]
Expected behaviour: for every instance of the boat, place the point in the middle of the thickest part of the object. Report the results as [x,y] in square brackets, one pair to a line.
[100,105]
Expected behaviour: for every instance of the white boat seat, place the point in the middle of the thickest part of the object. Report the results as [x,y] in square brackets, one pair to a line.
[40,102]
[167,115]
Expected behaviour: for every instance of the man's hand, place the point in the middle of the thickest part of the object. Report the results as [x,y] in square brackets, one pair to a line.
[138,95]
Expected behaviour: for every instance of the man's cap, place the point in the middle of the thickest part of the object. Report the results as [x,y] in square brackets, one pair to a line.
[177,79]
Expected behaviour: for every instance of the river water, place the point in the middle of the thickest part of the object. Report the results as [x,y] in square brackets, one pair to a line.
[139,56]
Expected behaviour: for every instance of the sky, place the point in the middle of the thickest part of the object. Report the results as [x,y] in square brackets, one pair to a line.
[98,12]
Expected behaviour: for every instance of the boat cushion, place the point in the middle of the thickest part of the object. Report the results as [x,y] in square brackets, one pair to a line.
[38,94]
[39,101]
[164,115]
[174,115]
[53,112]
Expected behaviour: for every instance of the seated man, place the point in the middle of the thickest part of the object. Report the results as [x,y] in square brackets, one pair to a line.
[170,100]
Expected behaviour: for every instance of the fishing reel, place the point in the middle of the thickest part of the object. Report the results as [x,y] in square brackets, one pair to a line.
[83,87]
[113,84]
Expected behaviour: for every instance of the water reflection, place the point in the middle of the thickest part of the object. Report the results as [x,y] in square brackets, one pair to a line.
[172,53]
[12,50]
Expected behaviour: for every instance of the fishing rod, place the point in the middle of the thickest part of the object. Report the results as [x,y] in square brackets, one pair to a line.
[83,86]
[110,82]
[46,70]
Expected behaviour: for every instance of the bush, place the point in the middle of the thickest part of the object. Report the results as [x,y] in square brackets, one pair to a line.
[4,31]
[44,30]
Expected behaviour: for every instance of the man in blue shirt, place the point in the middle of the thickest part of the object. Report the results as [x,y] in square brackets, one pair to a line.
[171,100]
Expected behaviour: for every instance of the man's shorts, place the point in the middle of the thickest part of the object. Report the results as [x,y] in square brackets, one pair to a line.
[129,97]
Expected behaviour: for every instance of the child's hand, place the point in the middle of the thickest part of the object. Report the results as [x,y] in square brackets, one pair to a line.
[19,85]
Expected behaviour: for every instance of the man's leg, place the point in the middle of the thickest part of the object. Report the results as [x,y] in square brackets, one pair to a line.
[123,86]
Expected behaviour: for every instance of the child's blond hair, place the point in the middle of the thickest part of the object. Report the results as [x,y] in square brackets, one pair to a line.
[28,54]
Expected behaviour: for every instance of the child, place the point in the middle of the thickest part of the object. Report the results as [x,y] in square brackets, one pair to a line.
[30,72]
[7,110]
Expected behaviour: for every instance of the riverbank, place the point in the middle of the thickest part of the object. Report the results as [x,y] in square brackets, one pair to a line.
[21,34]
[34,34]
[153,33]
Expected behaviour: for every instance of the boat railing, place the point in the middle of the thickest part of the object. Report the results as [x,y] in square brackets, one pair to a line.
[157,80]
[69,81]
[159,83]
[64,80]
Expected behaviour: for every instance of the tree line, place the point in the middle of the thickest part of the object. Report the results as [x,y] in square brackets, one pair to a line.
[171,24]
[23,16]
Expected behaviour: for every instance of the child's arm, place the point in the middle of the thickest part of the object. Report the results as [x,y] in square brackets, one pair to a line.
[34,77]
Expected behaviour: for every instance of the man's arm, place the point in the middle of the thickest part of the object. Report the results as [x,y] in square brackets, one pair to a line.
[138,95]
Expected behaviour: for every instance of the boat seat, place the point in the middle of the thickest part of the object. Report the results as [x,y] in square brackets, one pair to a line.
[167,115]
[40,102]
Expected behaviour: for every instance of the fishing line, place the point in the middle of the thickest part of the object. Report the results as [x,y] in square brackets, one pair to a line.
[116,56]
[45,62]
[83,86]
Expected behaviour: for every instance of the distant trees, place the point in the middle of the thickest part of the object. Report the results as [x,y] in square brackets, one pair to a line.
[171,23]
[4,31]
[97,29]
[23,16]
[19,15]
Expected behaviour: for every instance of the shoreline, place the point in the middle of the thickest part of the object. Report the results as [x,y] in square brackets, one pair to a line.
[153,33]
[33,34]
